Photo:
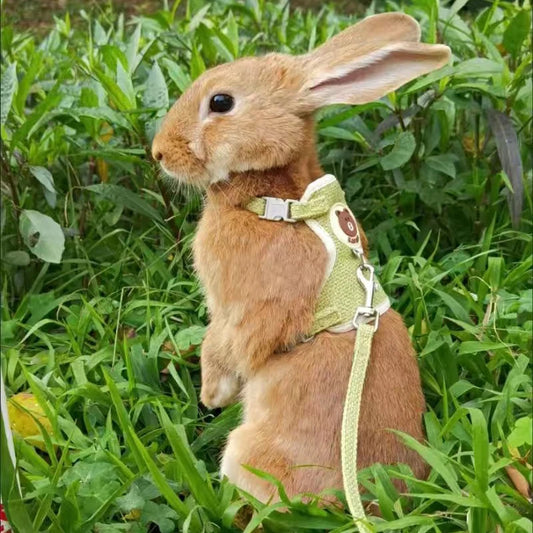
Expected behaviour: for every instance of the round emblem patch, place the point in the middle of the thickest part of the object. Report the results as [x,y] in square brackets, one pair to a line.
[345,227]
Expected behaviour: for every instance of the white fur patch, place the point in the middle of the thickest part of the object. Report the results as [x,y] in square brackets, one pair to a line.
[228,387]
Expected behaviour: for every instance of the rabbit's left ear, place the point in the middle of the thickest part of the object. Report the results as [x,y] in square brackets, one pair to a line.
[367,61]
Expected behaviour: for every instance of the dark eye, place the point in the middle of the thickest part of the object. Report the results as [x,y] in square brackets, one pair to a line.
[221,103]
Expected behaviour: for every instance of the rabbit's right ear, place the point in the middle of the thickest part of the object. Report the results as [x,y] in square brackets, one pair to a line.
[367,61]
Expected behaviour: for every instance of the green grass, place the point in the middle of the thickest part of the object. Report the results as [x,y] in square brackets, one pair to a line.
[106,332]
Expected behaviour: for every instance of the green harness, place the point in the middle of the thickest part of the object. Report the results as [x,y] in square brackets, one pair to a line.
[342,304]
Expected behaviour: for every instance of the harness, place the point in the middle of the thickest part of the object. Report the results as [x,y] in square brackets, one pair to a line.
[342,305]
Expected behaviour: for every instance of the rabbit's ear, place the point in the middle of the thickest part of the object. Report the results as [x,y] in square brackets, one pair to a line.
[367,61]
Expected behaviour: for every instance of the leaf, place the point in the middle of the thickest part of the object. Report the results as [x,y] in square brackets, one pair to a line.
[517,31]
[159,514]
[442,163]
[125,84]
[23,134]
[132,47]
[44,177]
[509,153]
[522,432]
[401,152]
[335,132]
[478,66]
[7,90]
[519,481]
[121,196]
[177,74]
[480,346]
[141,454]
[156,92]
[191,336]
[437,460]
[197,63]
[17,258]
[43,235]
[480,444]
[187,464]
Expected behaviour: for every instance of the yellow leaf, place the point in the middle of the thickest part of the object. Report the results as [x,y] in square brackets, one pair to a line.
[102,170]
[23,411]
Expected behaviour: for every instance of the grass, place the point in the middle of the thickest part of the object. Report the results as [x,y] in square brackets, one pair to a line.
[104,328]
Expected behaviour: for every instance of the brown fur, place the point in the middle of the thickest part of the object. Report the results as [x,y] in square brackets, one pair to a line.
[262,278]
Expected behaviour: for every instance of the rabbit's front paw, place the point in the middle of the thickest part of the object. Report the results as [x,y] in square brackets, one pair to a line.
[219,391]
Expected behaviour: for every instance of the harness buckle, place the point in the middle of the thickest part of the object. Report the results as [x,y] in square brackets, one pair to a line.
[366,315]
[277,209]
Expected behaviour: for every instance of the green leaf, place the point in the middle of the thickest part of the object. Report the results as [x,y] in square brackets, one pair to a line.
[437,460]
[17,258]
[156,92]
[131,49]
[141,454]
[7,90]
[522,432]
[335,132]
[177,75]
[478,66]
[125,84]
[481,346]
[121,196]
[442,163]
[197,64]
[480,443]
[191,336]
[517,31]
[508,148]
[400,154]
[43,235]
[44,177]
[187,463]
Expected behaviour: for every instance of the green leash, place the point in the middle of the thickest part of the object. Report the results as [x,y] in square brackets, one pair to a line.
[350,422]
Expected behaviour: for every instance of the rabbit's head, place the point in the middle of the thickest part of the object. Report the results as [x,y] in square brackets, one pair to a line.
[256,113]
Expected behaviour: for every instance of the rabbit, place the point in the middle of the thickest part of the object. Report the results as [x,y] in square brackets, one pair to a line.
[245,129]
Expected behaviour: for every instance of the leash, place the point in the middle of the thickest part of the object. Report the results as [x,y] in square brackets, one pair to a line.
[365,321]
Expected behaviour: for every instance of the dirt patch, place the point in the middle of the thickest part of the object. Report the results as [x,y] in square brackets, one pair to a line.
[38,15]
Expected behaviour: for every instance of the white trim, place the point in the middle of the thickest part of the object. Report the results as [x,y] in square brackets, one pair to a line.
[316,185]
[325,237]
[382,308]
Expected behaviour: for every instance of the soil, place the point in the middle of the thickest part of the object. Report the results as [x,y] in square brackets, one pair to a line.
[38,15]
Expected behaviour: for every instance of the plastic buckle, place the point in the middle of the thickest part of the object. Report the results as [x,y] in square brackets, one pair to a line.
[366,315]
[277,209]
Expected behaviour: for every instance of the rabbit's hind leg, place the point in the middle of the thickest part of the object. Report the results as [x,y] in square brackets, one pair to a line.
[250,445]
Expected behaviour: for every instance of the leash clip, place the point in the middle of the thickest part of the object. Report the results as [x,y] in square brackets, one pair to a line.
[366,314]
[277,209]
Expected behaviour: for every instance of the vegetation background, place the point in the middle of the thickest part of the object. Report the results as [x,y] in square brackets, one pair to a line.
[102,316]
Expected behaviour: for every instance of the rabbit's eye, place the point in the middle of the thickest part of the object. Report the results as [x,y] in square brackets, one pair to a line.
[221,103]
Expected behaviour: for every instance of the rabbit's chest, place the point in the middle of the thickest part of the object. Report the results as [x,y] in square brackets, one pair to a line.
[228,254]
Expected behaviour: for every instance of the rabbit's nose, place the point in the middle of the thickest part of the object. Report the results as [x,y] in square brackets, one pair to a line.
[157,152]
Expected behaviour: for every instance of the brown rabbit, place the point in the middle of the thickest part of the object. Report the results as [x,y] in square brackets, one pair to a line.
[245,130]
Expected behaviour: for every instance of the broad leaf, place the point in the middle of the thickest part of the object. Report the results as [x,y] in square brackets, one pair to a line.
[44,176]
[517,31]
[401,153]
[7,90]
[43,235]
[156,93]
[122,196]
[509,153]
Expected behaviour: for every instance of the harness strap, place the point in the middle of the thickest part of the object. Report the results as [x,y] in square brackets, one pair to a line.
[271,208]
[350,423]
